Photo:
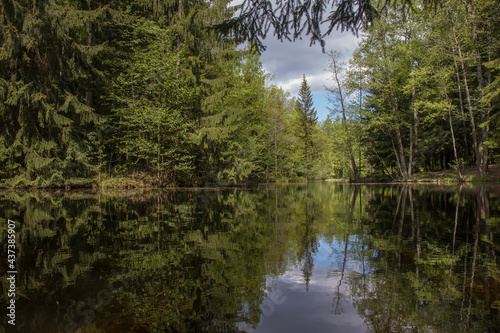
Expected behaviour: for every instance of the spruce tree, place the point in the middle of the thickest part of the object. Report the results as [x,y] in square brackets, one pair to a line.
[306,118]
[45,70]
[169,98]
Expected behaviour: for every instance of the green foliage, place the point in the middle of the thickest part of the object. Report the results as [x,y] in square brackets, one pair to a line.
[305,126]
[422,81]
[153,116]
[44,65]
[281,141]
[153,90]
[341,96]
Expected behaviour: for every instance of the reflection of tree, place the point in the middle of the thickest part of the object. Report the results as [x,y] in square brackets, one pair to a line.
[308,245]
[193,261]
[210,277]
[340,298]
[424,273]
[198,261]
[56,237]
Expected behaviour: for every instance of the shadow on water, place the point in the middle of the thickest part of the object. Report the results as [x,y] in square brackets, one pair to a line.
[319,257]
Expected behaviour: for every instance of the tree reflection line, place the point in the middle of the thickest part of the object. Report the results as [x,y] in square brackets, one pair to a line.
[229,237]
[423,258]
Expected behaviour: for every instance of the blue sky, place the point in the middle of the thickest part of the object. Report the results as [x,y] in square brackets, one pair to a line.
[321,104]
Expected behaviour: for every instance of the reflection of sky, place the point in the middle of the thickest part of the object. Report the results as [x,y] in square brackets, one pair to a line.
[325,307]
[330,254]
[327,252]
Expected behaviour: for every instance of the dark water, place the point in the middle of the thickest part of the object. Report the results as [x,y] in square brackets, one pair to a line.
[290,258]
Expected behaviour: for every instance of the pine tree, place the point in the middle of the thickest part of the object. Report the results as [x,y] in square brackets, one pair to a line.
[280,138]
[306,121]
[45,70]
[232,131]
[172,84]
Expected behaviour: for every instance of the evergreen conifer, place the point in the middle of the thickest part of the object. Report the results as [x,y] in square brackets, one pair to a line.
[307,119]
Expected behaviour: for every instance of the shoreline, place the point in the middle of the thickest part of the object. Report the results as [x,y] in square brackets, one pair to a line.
[443,178]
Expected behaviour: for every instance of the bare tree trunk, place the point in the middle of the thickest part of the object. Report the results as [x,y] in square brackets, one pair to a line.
[469,100]
[275,149]
[410,159]
[457,71]
[415,129]
[483,150]
[399,139]
[452,133]
[335,71]
[359,140]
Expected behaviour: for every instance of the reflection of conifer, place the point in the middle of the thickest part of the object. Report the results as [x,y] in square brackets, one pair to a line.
[309,247]
[307,268]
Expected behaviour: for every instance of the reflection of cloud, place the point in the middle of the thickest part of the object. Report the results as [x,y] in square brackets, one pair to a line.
[322,279]
[311,311]
[327,306]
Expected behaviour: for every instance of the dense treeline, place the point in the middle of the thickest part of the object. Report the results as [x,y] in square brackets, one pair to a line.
[432,88]
[146,89]
[149,90]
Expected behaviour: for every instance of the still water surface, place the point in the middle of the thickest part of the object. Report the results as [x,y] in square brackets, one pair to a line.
[289,258]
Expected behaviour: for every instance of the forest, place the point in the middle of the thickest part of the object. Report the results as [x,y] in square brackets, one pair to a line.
[163,93]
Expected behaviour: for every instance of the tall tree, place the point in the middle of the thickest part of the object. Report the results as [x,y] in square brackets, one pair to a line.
[388,71]
[154,110]
[435,73]
[339,95]
[306,123]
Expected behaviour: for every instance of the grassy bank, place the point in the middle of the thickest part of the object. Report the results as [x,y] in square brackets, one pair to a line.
[466,175]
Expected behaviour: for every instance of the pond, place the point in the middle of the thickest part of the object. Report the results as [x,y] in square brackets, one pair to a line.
[321,257]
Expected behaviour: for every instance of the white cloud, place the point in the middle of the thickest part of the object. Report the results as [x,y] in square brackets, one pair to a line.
[288,61]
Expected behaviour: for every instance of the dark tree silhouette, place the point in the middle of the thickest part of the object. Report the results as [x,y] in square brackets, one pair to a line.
[290,19]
